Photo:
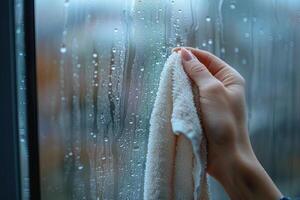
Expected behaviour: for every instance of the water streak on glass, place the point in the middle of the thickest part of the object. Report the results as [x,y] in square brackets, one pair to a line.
[21,96]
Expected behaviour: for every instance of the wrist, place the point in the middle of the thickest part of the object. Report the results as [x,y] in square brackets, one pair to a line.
[235,168]
[232,155]
[245,178]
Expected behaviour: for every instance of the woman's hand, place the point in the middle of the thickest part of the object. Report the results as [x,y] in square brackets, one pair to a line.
[231,159]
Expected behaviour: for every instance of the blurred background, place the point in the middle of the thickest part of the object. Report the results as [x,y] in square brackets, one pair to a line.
[99,63]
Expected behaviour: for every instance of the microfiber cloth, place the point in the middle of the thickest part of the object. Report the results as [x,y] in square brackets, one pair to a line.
[177,148]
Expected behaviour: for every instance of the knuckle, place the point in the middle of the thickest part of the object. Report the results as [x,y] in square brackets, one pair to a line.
[214,87]
[197,68]
[242,80]
[239,78]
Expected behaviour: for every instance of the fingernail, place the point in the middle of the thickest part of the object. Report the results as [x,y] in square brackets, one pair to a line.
[186,55]
[174,49]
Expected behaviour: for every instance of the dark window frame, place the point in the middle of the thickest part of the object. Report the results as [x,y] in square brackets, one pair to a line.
[9,146]
[32,100]
[10,184]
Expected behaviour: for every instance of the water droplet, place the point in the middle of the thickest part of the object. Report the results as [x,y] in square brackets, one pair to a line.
[261,31]
[247,35]
[208,19]
[244,61]
[245,19]
[103,158]
[210,41]
[142,69]
[223,50]
[180,11]
[116,30]
[95,55]
[70,153]
[80,167]
[131,122]
[67,2]
[232,6]
[204,44]
[113,68]
[63,48]
[236,50]
[114,50]
[109,84]
[173,1]
[105,139]
[78,65]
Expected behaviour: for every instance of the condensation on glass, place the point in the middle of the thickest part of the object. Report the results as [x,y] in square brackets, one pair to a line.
[21,96]
[98,71]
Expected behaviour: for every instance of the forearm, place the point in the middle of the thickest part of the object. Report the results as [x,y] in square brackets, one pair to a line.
[246,179]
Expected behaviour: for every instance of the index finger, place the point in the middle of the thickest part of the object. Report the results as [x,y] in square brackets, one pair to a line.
[212,62]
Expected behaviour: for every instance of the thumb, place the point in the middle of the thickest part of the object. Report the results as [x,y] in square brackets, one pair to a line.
[195,69]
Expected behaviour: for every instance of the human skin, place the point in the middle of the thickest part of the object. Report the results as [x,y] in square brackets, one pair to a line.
[231,159]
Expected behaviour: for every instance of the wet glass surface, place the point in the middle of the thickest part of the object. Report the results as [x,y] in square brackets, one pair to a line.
[98,71]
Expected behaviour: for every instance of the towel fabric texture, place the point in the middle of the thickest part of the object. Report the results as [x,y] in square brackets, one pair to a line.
[177,149]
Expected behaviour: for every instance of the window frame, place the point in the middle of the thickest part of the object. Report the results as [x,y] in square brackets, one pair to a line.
[10,168]
[9,146]
[32,100]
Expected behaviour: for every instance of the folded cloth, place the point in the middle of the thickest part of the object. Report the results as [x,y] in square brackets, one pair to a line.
[177,149]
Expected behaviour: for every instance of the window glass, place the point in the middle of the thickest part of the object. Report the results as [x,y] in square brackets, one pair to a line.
[98,72]
[21,96]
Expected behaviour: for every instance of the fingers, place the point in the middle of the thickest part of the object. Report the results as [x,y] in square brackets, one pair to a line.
[216,66]
[196,70]
[213,63]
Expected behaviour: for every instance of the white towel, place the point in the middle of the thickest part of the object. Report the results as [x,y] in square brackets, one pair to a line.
[177,148]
